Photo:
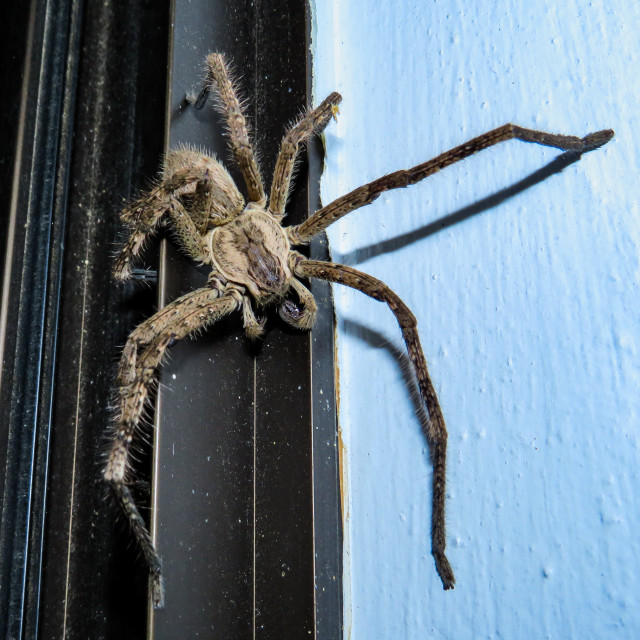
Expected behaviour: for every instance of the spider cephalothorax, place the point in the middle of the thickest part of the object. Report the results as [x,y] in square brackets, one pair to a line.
[253,251]
[253,262]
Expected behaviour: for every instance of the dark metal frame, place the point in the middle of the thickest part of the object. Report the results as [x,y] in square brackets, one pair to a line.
[87,135]
[34,228]
[261,528]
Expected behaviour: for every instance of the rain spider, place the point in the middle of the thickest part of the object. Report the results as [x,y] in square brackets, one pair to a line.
[253,264]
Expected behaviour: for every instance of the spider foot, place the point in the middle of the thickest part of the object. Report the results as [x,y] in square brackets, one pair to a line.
[256,331]
[157,590]
[444,570]
[122,268]
[597,139]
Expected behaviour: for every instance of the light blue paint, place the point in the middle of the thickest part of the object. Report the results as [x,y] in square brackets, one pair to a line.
[528,312]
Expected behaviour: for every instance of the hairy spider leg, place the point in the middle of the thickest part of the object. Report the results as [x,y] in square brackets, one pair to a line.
[314,122]
[366,194]
[143,539]
[436,430]
[184,316]
[186,234]
[145,332]
[144,214]
[220,79]
[187,314]
[253,326]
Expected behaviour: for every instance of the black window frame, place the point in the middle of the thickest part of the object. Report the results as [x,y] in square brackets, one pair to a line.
[91,137]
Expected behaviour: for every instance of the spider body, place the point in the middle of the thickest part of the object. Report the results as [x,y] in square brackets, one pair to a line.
[253,251]
[254,264]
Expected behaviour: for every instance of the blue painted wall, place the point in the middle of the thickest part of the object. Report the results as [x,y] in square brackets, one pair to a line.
[528,314]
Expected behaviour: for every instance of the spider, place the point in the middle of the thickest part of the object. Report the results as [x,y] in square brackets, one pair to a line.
[254,265]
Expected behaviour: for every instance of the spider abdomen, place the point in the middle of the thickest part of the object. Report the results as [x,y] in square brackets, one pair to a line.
[253,251]
[210,193]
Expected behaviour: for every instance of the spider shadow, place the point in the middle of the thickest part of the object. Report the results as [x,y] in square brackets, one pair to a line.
[387,246]
[377,340]
[178,109]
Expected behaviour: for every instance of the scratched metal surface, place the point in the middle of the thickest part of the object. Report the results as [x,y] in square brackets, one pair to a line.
[528,311]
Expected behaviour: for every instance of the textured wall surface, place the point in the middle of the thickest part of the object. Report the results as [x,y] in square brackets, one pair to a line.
[527,308]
